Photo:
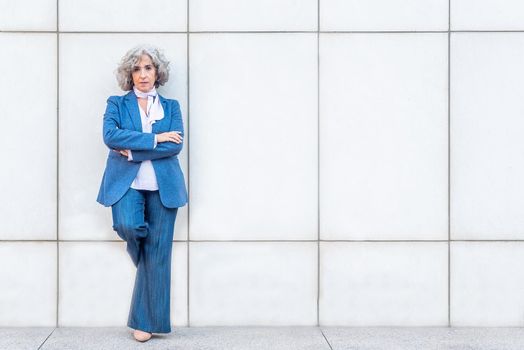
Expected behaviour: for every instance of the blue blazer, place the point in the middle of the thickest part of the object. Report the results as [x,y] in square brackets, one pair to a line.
[122,129]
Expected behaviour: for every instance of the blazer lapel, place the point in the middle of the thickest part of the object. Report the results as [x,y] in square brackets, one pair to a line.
[158,124]
[131,104]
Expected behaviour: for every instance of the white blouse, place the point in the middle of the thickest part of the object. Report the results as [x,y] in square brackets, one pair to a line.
[146,177]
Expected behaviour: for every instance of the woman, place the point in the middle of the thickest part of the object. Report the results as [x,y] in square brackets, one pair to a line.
[143,182]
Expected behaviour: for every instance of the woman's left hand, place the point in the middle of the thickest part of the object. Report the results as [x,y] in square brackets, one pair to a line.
[123,152]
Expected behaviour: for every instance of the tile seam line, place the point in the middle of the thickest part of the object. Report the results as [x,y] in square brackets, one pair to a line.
[57,163]
[263,32]
[272,241]
[48,336]
[318,163]
[449,162]
[325,338]
[188,315]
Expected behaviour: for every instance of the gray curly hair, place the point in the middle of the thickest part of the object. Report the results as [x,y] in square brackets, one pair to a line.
[132,57]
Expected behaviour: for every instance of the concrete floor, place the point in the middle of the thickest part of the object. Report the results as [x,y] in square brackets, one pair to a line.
[267,338]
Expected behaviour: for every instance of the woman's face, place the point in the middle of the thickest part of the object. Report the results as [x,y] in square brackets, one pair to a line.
[144,74]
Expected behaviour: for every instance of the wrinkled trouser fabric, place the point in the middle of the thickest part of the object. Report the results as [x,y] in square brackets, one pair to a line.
[140,219]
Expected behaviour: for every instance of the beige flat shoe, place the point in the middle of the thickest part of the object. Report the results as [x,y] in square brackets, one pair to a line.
[141,335]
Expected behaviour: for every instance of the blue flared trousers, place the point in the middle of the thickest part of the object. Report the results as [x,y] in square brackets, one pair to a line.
[140,219]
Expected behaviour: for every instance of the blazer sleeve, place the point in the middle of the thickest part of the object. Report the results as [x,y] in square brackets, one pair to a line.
[165,149]
[117,138]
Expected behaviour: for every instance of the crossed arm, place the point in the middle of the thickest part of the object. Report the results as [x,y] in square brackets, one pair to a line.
[141,146]
[162,150]
[117,138]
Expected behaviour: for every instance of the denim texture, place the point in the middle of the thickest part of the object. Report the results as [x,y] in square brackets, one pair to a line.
[140,219]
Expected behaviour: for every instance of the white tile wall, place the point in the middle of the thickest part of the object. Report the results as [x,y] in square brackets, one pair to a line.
[487,147]
[179,281]
[28,288]
[96,284]
[486,284]
[248,283]
[383,15]
[383,284]
[254,15]
[28,15]
[28,141]
[254,140]
[130,15]
[87,64]
[487,15]
[256,130]
[383,136]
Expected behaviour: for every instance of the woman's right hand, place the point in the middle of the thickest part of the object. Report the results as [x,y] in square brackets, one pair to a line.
[170,136]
